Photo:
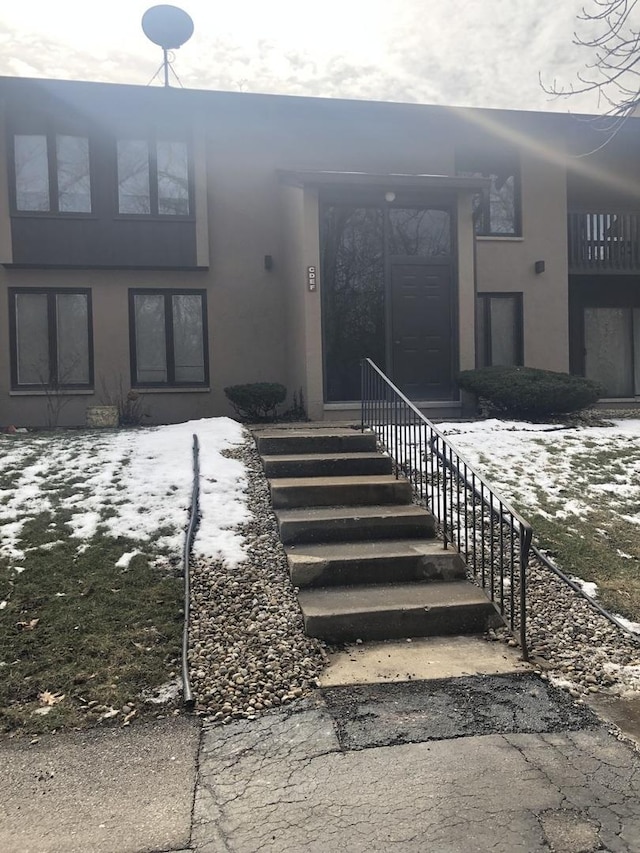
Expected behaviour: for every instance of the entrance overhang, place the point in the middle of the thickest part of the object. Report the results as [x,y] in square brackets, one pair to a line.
[390,181]
[303,194]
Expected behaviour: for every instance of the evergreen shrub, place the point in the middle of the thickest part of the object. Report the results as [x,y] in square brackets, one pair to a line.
[256,401]
[529,392]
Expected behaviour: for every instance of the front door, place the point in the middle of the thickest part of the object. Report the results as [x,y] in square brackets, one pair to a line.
[421,329]
[387,286]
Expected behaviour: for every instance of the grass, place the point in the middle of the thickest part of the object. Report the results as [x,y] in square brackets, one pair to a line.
[77,626]
[580,492]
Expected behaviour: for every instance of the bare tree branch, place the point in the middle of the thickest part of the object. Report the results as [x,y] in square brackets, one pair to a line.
[611,34]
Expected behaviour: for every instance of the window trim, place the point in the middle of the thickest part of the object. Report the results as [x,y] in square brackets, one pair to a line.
[484,298]
[54,211]
[467,158]
[168,293]
[152,146]
[52,384]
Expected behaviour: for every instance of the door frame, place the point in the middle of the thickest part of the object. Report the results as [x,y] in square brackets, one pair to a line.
[404,200]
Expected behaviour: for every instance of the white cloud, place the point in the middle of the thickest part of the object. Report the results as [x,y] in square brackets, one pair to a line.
[478,53]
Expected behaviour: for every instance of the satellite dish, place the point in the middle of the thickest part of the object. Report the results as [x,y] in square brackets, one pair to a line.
[170,28]
[167,26]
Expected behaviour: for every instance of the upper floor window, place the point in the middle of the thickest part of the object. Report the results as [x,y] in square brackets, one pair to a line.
[50,338]
[498,211]
[153,179]
[52,173]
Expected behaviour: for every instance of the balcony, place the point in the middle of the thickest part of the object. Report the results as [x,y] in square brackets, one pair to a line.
[604,242]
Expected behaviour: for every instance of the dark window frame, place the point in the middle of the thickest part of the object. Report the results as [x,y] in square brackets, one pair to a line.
[52,384]
[152,141]
[481,163]
[168,293]
[484,347]
[50,135]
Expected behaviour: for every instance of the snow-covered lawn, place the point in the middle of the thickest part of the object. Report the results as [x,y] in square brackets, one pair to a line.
[580,487]
[134,484]
[91,534]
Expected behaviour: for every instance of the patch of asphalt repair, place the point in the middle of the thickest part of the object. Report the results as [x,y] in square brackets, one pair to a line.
[374,715]
[292,780]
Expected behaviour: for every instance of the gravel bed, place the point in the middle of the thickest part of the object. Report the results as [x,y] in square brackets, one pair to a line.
[248,651]
[574,645]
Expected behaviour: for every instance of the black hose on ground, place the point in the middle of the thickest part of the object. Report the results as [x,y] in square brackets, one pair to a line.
[194,517]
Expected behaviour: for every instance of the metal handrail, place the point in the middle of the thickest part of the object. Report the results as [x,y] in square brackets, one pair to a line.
[491,535]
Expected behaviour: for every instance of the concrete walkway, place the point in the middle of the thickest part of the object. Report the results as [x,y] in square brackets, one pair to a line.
[484,762]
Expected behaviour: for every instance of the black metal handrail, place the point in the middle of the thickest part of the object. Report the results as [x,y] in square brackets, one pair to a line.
[492,537]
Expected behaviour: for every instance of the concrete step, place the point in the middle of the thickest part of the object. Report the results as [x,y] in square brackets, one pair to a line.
[294,441]
[326,464]
[368,490]
[342,614]
[349,524]
[391,561]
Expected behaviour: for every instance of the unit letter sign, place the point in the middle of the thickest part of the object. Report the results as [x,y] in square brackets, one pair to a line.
[312,280]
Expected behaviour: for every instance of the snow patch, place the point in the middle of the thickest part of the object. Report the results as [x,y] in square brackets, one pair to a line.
[125,560]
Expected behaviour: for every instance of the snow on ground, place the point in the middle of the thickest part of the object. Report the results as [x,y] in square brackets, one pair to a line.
[131,483]
[530,463]
[527,462]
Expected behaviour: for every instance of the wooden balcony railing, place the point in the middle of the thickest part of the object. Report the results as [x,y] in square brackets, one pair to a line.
[604,242]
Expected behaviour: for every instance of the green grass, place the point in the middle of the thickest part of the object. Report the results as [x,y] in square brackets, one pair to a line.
[585,544]
[103,635]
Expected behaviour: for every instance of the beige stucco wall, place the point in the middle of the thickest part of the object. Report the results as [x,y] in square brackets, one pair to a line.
[507,264]
[266,325]
[110,309]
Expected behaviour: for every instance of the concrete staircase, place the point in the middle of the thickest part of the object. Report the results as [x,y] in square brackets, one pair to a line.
[365,558]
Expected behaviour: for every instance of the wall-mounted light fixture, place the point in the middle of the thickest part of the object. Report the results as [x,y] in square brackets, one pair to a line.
[390,196]
[268,262]
[538,267]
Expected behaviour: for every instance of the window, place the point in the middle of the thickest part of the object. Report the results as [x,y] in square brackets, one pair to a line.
[153,179]
[498,211]
[500,329]
[52,173]
[51,339]
[168,331]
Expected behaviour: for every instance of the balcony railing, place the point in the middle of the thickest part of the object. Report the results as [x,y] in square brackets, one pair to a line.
[604,242]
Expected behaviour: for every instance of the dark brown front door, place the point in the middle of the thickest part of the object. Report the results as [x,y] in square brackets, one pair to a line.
[421,329]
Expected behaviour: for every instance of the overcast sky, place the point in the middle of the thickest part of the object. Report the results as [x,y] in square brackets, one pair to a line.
[474,52]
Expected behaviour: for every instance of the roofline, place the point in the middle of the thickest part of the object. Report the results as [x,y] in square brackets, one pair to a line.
[142,90]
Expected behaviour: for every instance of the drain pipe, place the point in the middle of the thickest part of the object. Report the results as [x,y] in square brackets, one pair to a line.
[577,588]
[187,694]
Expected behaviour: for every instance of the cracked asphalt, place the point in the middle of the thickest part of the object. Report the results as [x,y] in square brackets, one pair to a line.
[461,765]
[500,764]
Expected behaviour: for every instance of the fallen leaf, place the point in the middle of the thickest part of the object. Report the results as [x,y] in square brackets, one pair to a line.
[49,698]
[27,626]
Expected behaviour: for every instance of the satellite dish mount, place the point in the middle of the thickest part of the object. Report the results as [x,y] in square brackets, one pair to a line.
[168,27]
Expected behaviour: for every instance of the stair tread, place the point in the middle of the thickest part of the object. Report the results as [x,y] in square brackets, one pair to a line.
[341,600]
[341,480]
[321,432]
[321,457]
[352,512]
[383,549]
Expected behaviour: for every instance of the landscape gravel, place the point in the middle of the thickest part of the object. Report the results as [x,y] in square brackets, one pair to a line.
[577,647]
[248,652]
